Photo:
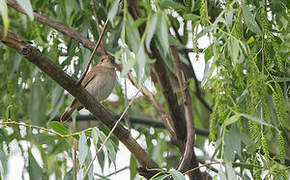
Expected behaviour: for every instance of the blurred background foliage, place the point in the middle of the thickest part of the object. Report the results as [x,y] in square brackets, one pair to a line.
[245,82]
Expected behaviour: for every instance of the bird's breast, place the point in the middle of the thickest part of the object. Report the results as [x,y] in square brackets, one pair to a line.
[102,85]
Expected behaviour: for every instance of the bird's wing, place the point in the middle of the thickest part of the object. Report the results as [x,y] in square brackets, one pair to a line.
[88,78]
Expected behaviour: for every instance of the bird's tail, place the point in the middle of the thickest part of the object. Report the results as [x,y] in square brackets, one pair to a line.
[67,114]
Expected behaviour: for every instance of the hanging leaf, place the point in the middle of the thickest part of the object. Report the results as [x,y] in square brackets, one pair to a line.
[38,104]
[26,5]
[163,33]
[4,14]
[204,31]
[57,100]
[33,168]
[113,11]
[133,167]
[141,60]
[95,135]
[59,127]
[176,174]
[250,20]
[83,148]
[191,17]
[230,171]
[231,120]
[151,30]
[132,35]
[166,4]
[256,119]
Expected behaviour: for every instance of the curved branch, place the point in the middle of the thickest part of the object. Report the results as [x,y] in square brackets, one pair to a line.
[88,101]
[188,159]
[59,27]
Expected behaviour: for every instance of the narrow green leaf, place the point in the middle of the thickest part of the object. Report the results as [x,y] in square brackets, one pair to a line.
[141,60]
[4,162]
[208,53]
[38,104]
[191,17]
[26,5]
[33,168]
[132,35]
[113,11]
[151,30]
[83,148]
[232,143]
[207,72]
[163,33]
[95,135]
[234,49]
[88,160]
[204,31]
[133,167]
[176,174]
[57,100]
[231,120]
[230,171]
[138,22]
[172,4]
[256,119]
[280,79]
[4,14]
[59,127]
[69,175]
[250,20]
[111,152]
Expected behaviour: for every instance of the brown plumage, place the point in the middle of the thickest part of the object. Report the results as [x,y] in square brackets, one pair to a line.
[99,82]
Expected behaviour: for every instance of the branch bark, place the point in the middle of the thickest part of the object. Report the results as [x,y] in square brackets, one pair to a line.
[189,159]
[158,108]
[89,102]
[175,112]
[59,27]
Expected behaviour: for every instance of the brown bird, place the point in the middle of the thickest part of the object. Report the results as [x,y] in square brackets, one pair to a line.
[99,82]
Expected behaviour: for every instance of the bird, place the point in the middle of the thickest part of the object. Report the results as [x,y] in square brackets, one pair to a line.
[99,82]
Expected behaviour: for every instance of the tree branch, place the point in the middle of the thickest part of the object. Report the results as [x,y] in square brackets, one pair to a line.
[189,159]
[198,92]
[59,27]
[88,101]
[150,98]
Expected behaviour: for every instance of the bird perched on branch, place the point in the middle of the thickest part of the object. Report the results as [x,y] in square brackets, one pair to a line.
[99,82]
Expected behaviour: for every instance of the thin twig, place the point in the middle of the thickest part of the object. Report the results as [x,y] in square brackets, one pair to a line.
[95,16]
[109,135]
[150,97]
[234,163]
[30,126]
[94,51]
[120,170]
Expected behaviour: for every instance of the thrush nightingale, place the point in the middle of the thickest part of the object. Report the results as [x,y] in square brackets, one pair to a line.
[99,82]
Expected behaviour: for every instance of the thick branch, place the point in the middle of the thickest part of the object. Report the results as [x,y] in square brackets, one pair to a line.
[88,101]
[188,155]
[159,69]
[59,27]
[198,92]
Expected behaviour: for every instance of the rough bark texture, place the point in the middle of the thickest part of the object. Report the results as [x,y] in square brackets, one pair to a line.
[59,27]
[89,102]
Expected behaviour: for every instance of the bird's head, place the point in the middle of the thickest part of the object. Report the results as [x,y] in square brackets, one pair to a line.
[106,61]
